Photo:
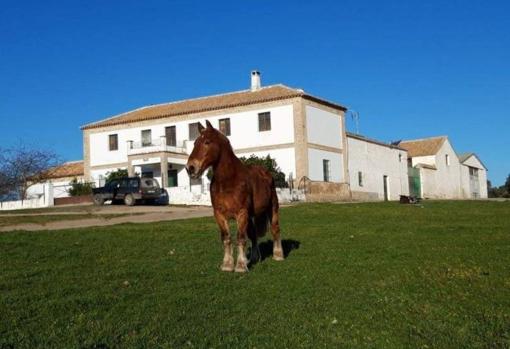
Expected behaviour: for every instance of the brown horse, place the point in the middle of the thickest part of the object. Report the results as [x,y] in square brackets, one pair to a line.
[244,193]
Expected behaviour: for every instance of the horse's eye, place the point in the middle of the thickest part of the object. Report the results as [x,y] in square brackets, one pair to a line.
[207,142]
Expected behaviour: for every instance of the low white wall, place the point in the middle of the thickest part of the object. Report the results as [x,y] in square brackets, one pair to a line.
[45,200]
[182,196]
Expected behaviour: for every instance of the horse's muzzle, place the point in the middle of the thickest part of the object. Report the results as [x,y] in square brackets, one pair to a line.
[193,171]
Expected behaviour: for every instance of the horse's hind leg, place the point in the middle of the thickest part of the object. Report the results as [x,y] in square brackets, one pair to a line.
[228,258]
[243,221]
[252,234]
[275,229]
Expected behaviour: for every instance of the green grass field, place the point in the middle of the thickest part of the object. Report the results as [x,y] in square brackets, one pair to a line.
[16,219]
[357,275]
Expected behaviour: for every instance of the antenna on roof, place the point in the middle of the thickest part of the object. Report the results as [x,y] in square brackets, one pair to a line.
[355,118]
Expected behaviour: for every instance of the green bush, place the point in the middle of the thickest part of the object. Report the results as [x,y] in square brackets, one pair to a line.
[118,174]
[266,162]
[80,188]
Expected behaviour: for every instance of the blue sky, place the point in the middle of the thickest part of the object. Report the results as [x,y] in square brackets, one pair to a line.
[411,69]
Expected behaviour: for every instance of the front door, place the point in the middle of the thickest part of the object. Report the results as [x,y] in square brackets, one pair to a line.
[386,191]
[474,183]
[172,178]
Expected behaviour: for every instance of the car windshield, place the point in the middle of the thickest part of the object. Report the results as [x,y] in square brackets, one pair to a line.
[149,183]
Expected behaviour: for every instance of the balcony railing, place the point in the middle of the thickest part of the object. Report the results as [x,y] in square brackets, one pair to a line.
[157,145]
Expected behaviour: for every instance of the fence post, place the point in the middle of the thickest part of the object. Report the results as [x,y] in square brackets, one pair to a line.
[48,194]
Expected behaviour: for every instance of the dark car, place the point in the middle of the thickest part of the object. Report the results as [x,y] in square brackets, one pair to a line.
[130,190]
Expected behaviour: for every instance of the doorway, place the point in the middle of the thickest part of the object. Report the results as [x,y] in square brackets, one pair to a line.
[172,178]
[386,188]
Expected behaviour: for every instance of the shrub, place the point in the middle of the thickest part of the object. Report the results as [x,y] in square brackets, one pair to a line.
[118,174]
[80,188]
[266,162]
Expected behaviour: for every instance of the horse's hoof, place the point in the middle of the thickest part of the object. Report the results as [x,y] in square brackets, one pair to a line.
[227,266]
[278,256]
[241,268]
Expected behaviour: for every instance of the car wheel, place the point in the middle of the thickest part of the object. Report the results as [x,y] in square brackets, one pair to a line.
[98,200]
[129,200]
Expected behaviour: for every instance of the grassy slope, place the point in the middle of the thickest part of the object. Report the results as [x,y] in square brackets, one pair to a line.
[369,275]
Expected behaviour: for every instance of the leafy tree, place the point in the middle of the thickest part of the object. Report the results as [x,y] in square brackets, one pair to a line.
[266,162]
[118,174]
[500,192]
[80,188]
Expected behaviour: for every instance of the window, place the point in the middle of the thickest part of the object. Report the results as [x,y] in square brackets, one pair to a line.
[149,183]
[225,126]
[147,174]
[473,172]
[447,159]
[360,178]
[146,138]
[193,131]
[325,169]
[399,157]
[171,139]
[265,121]
[113,142]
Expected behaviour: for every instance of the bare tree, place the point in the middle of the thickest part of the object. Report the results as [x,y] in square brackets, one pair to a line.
[22,167]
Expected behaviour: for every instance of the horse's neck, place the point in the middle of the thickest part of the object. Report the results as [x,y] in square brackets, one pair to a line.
[227,166]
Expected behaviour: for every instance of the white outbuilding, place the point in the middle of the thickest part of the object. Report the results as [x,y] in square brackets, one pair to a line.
[437,172]
[377,170]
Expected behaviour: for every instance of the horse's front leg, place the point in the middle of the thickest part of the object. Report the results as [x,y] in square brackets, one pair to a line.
[228,258]
[242,234]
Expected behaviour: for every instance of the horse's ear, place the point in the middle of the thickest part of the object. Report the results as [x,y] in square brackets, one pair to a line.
[208,124]
[200,128]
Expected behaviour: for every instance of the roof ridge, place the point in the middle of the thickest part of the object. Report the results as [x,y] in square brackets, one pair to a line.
[189,100]
[423,139]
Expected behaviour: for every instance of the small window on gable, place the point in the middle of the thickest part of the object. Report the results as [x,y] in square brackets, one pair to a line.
[325,169]
[399,157]
[264,121]
[447,159]
[113,142]
[360,178]
[193,131]
[225,126]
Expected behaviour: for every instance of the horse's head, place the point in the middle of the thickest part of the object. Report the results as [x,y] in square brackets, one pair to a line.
[206,151]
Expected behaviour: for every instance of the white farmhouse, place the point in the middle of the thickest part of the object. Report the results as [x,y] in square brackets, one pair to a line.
[377,170]
[436,172]
[304,133]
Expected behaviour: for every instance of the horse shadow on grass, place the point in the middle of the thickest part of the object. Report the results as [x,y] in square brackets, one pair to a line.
[266,249]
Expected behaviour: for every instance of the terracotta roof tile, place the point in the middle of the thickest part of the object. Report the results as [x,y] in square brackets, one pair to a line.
[204,104]
[423,147]
[67,169]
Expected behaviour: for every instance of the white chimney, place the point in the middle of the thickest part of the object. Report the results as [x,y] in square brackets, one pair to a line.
[255,80]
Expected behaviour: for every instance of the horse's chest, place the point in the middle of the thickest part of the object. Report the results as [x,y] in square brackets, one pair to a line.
[229,200]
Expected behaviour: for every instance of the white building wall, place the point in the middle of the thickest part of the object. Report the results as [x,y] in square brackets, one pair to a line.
[443,183]
[285,159]
[243,126]
[315,165]
[374,162]
[465,178]
[323,127]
